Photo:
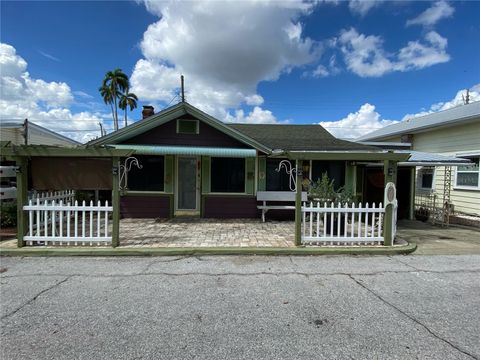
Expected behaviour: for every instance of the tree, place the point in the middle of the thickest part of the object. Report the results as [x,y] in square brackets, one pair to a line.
[114,83]
[127,99]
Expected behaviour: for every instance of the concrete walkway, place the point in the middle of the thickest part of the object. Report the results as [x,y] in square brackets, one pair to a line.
[435,240]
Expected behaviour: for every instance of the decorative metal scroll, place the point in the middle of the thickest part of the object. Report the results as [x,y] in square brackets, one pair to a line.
[125,168]
[291,172]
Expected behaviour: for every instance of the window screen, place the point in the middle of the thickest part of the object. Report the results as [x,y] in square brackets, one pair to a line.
[150,177]
[334,169]
[469,175]
[276,181]
[187,126]
[227,175]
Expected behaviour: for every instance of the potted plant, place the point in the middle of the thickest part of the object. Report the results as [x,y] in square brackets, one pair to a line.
[422,214]
[323,191]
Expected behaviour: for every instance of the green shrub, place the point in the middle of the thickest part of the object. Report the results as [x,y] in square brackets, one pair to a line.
[8,214]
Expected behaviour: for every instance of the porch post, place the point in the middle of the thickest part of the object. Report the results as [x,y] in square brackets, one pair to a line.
[298,203]
[22,198]
[390,173]
[413,189]
[115,202]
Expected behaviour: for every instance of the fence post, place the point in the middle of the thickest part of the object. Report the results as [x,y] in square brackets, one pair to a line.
[115,202]
[22,198]
[298,204]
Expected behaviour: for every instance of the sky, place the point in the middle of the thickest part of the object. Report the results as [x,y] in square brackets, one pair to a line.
[351,66]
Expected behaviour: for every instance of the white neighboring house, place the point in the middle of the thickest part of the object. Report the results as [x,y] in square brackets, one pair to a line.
[452,132]
[24,132]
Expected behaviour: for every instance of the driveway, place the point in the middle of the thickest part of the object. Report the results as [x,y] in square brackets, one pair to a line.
[436,240]
[401,307]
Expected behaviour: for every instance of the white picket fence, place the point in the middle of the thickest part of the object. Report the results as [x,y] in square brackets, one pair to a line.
[342,224]
[53,222]
[64,195]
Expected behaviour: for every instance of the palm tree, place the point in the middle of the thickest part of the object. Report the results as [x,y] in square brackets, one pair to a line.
[106,94]
[116,81]
[127,99]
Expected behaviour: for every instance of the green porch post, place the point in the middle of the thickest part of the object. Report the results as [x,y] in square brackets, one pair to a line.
[22,199]
[390,173]
[411,210]
[298,204]
[115,202]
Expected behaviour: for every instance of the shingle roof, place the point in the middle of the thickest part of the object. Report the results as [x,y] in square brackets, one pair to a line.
[297,137]
[422,123]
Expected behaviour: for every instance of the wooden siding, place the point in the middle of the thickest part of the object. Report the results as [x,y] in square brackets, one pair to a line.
[145,206]
[14,135]
[230,207]
[166,134]
[449,140]
[464,201]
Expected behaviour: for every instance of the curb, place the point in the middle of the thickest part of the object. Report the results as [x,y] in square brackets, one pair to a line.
[25,251]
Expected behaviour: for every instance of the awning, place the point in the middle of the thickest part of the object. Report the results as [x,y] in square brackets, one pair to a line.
[187,150]
[420,158]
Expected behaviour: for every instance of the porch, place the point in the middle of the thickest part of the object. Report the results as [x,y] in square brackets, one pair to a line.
[198,232]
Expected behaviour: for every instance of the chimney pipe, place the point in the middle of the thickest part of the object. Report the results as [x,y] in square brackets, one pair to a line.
[147,111]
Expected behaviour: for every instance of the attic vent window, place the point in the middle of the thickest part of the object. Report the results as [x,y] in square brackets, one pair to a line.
[187,126]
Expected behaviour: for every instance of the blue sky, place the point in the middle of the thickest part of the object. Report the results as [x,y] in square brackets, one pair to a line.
[351,66]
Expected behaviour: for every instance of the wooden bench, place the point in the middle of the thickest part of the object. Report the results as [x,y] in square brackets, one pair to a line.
[277,196]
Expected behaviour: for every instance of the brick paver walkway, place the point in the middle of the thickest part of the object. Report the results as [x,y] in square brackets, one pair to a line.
[195,232]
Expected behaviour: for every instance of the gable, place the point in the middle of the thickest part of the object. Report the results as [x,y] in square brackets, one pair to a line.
[166,134]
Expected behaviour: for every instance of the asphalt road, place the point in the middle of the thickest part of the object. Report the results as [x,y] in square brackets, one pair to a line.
[401,307]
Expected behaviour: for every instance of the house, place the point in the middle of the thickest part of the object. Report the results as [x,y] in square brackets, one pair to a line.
[453,132]
[194,164]
[25,132]
[184,162]
[19,132]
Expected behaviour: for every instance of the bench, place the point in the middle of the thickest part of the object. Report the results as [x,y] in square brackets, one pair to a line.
[277,196]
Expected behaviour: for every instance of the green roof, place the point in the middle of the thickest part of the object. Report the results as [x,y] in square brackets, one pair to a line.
[298,137]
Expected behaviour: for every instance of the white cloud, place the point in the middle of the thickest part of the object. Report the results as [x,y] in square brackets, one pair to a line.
[438,11]
[362,7]
[364,55]
[458,100]
[44,103]
[361,122]
[256,116]
[224,49]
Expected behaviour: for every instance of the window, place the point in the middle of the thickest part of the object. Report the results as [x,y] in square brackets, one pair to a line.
[149,177]
[334,169]
[468,176]
[425,178]
[276,180]
[187,126]
[227,175]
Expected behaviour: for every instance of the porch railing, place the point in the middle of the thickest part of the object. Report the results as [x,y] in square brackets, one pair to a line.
[52,222]
[342,224]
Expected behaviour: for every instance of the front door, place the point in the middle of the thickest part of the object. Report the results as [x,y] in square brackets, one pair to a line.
[187,190]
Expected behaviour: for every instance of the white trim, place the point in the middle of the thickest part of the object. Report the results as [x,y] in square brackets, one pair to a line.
[466,187]
[421,172]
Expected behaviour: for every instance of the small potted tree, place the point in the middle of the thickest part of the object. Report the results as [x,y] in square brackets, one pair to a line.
[323,191]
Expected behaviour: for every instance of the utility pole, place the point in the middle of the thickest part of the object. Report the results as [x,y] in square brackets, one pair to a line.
[466,98]
[101,129]
[182,88]
[25,131]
